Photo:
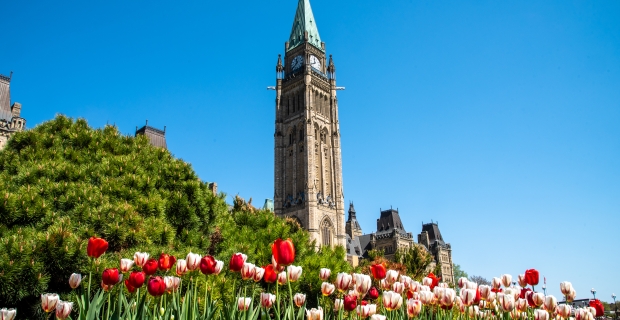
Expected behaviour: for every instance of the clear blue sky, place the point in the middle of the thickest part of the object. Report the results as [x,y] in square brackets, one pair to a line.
[499,119]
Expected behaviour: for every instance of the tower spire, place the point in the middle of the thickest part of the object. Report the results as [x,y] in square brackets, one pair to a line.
[304,27]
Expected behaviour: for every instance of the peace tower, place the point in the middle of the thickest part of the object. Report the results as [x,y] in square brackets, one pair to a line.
[308,167]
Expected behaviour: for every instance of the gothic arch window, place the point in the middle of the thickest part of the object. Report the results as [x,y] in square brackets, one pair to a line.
[327,232]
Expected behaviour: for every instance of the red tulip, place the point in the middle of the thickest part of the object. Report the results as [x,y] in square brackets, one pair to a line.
[96,247]
[350,302]
[166,261]
[137,278]
[524,291]
[110,276]
[378,271]
[156,286]
[435,280]
[600,309]
[531,277]
[373,293]
[270,275]
[283,251]
[130,288]
[150,267]
[236,261]
[207,265]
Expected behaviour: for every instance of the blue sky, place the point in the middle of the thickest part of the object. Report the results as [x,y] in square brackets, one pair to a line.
[500,120]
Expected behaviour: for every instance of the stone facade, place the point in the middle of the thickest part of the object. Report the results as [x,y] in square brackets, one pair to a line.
[10,115]
[308,167]
[431,239]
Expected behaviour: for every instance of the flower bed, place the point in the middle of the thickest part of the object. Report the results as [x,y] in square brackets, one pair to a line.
[172,292]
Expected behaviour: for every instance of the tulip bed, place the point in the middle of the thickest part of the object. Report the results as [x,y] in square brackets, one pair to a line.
[167,288]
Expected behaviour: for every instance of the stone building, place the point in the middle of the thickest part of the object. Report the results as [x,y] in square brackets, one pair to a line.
[308,169]
[156,136]
[10,119]
[431,239]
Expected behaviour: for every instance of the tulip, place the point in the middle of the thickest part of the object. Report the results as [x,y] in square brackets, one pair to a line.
[521,280]
[496,282]
[267,299]
[282,278]
[378,271]
[426,297]
[244,303]
[563,310]
[513,292]
[327,288]
[294,272]
[247,271]
[150,267]
[350,302]
[129,287]
[541,314]
[462,281]
[531,277]
[49,301]
[126,265]
[425,288]
[106,287]
[283,251]
[550,303]
[521,304]
[299,299]
[392,300]
[538,298]
[96,247]
[565,287]
[63,309]
[137,278]
[591,310]
[270,275]
[507,302]
[324,274]
[414,307]
[219,265]
[365,311]
[398,287]
[314,314]
[193,261]
[75,280]
[156,286]
[258,273]
[571,296]
[598,306]
[181,267]
[471,285]
[391,276]
[343,281]
[385,285]
[236,261]
[140,258]
[447,299]
[484,291]
[373,293]
[338,304]
[362,284]
[377,317]
[171,282]
[207,265]
[166,261]
[506,280]
[7,314]
[468,296]
[110,276]
[523,293]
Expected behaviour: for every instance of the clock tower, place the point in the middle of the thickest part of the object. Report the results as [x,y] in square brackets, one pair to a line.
[308,166]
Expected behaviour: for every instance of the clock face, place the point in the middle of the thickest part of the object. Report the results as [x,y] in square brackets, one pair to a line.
[297,62]
[315,62]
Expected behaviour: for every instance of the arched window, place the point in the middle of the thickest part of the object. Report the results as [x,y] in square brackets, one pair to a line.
[327,232]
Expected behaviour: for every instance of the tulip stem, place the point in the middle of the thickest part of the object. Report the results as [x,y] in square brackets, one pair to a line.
[108,313]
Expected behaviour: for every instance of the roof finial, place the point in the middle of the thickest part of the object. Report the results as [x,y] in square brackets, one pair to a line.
[11,75]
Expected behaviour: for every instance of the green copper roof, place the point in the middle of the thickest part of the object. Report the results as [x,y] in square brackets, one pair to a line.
[304,21]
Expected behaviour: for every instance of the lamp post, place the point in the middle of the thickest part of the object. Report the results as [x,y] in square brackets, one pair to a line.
[613,296]
[593,293]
